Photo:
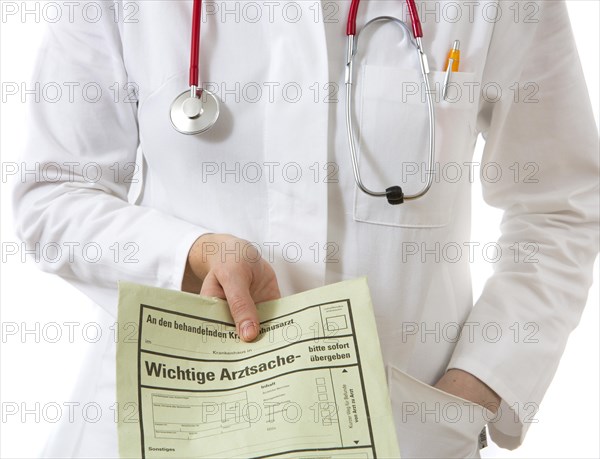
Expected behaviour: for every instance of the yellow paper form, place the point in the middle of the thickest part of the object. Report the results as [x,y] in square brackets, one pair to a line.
[311,386]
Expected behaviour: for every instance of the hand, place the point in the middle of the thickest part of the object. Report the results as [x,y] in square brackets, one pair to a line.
[230,268]
[425,429]
[465,385]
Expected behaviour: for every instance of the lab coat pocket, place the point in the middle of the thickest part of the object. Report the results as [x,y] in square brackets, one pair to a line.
[393,144]
[432,423]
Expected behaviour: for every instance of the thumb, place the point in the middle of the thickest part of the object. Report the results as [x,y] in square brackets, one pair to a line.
[242,307]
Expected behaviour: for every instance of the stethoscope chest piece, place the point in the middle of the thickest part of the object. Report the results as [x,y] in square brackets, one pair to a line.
[194,115]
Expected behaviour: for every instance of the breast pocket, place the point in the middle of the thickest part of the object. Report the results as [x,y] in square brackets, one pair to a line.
[394,148]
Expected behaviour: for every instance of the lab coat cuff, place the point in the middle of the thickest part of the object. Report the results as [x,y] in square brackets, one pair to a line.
[507,428]
[175,268]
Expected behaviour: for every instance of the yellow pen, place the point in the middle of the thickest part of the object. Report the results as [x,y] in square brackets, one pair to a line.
[452,64]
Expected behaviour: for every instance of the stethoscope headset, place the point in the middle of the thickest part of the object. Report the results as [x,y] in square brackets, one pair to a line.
[196,110]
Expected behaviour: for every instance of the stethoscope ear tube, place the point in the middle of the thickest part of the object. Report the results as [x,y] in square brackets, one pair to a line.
[412,12]
[394,194]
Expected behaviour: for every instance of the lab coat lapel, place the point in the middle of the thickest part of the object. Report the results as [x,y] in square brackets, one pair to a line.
[296,142]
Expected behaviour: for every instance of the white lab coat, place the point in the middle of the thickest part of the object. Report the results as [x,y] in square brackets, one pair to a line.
[262,174]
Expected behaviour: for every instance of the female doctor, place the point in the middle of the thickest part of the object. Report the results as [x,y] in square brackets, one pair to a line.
[275,170]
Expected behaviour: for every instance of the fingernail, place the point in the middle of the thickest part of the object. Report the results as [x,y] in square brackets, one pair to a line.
[248,329]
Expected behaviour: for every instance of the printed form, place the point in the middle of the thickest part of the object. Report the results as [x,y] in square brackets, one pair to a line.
[311,386]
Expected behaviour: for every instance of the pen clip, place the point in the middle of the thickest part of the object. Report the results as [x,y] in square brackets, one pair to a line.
[452,64]
[447,78]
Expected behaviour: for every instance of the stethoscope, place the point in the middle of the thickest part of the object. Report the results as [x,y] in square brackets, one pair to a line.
[394,194]
[196,110]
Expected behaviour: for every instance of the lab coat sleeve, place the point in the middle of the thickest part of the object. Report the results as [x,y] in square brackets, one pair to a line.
[518,328]
[71,196]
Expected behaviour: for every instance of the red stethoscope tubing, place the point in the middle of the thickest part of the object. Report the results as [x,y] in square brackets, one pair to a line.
[350,30]
[195,48]
[412,11]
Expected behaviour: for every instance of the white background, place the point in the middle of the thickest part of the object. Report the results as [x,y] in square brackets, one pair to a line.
[567,422]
